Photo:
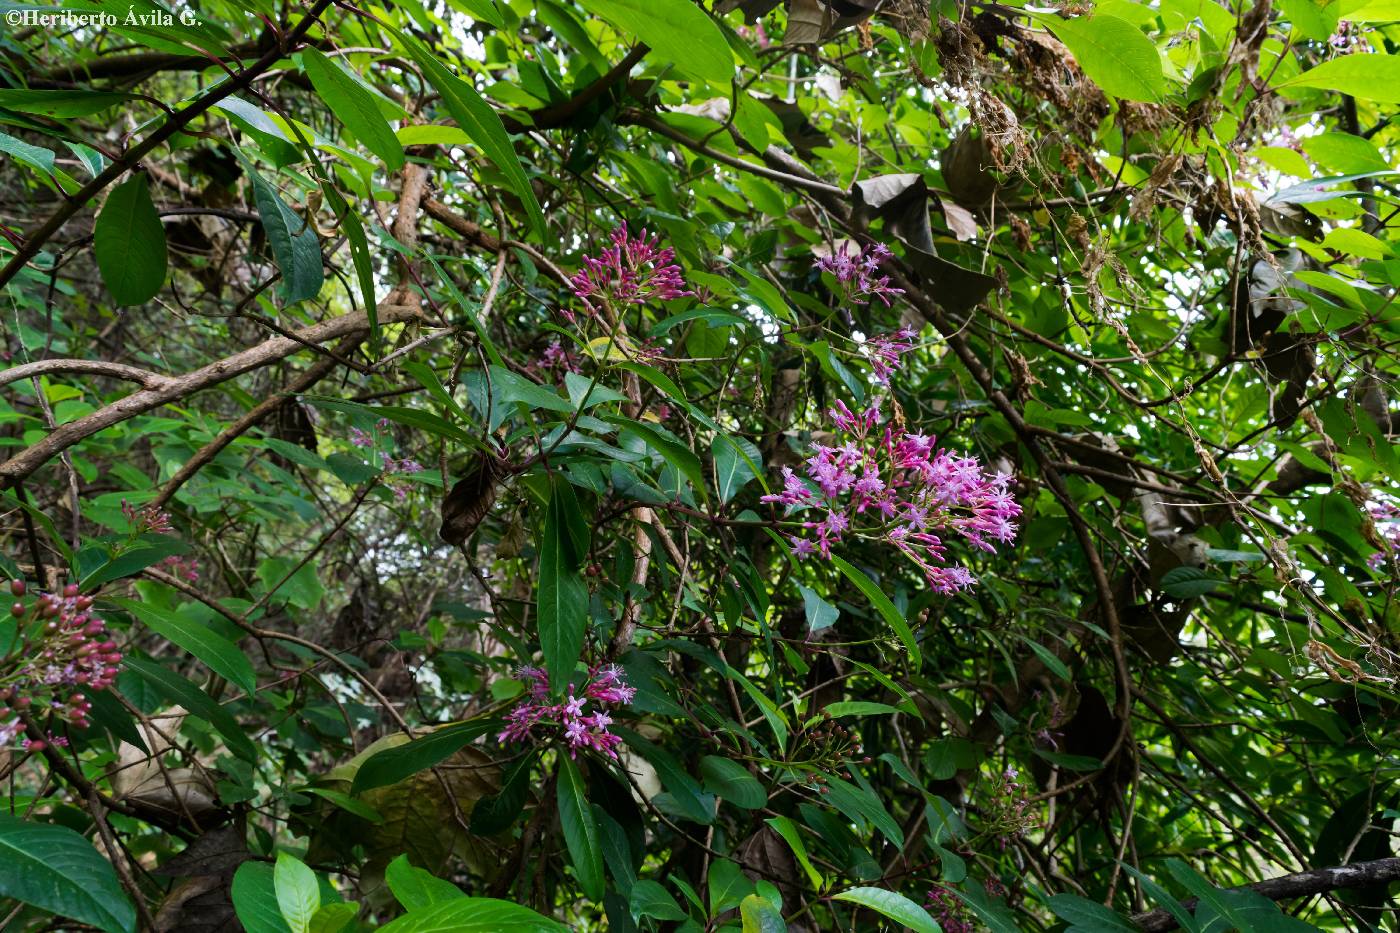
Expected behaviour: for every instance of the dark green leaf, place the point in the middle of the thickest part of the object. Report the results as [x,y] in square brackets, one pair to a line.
[354,106]
[580,830]
[57,870]
[129,243]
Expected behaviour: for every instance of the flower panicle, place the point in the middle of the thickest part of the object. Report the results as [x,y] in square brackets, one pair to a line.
[536,718]
[634,270]
[61,648]
[859,274]
[903,489]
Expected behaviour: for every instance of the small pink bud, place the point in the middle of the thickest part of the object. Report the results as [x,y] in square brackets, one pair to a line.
[17,610]
[70,591]
[16,587]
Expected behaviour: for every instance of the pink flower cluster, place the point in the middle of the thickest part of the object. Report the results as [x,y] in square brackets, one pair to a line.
[146,519]
[1387,518]
[885,350]
[901,489]
[633,271]
[859,275]
[567,720]
[59,645]
[177,566]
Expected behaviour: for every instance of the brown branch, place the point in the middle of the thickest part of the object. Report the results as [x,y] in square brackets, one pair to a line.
[84,367]
[1300,884]
[468,230]
[315,373]
[27,461]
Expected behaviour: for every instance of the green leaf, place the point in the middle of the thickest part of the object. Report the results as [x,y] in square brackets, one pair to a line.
[180,690]
[1368,77]
[513,389]
[298,895]
[254,896]
[65,103]
[481,123]
[860,804]
[786,828]
[34,156]
[473,915]
[1115,54]
[147,551]
[359,255]
[1187,583]
[1345,154]
[562,597]
[677,31]
[219,654]
[580,829]
[334,918]
[820,613]
[728,886]
[1208,893]
[394,764]
[57,870]
[295,247]
[760,916]
[737,461]
[347,803]
[1160,896]
[886,608]
[129,242]
[496,812]
[650,899]
[415,888]
[672,451]
[860,708]
[895,906]
[1086,916]
[354,106]
[732,782]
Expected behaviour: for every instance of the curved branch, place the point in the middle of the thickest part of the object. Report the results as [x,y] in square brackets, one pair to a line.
[86,367]
[1299,884]
[30,459]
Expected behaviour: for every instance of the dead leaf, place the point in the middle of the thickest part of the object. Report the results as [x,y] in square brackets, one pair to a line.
[469,501]
[959,220]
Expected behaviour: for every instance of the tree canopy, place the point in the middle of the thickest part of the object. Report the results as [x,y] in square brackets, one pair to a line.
[748,465]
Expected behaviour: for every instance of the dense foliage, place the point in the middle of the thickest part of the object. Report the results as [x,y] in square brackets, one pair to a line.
[661,465]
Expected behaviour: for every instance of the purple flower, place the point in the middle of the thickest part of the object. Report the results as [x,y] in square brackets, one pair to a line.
[1387,518]
[904,490]
[569,721]
[857,275]
[885,351]
[633,271]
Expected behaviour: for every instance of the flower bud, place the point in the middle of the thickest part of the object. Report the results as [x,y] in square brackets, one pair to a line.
[17,610]
[70,591]
[16,587]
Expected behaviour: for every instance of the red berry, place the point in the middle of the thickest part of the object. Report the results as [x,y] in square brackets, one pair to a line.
[17,610]
[16,587]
